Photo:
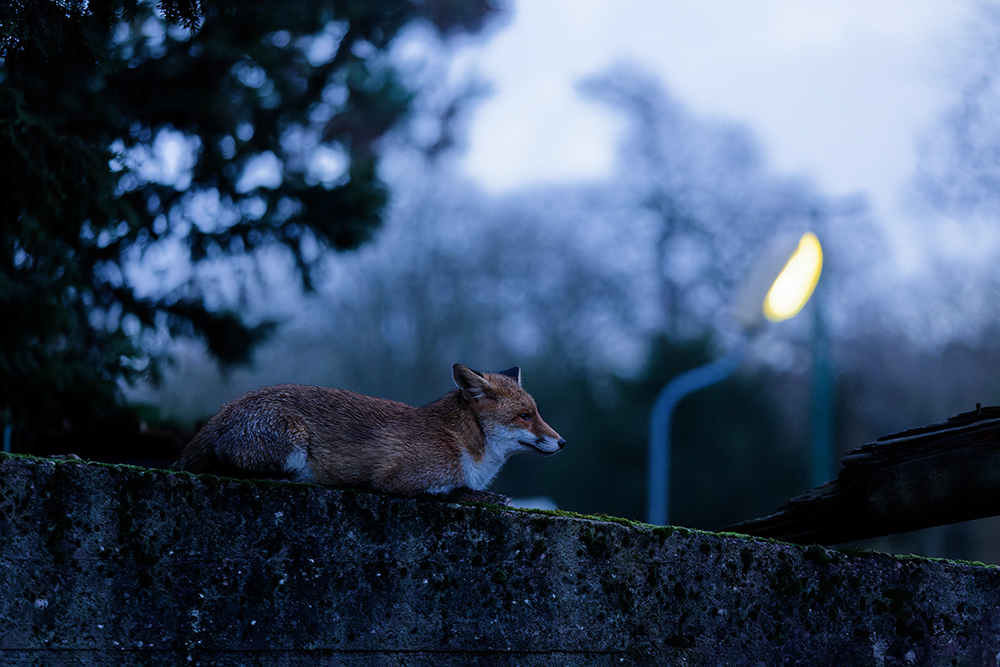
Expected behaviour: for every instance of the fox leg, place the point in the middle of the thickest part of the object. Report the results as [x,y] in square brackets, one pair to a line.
[466,495]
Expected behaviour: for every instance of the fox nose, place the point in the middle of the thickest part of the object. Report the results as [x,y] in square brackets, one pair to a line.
[561,443]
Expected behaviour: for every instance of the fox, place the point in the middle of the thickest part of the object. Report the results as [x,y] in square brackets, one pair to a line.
[452,448]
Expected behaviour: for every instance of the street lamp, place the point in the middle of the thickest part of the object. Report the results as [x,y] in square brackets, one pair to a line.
[796,282]
[776,291]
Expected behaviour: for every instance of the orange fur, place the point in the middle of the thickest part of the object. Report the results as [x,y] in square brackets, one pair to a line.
[340,438]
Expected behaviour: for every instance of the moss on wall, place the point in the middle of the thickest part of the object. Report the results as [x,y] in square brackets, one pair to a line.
[116,565]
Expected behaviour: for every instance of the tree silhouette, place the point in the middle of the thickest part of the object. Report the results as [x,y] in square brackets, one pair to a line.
[89,88]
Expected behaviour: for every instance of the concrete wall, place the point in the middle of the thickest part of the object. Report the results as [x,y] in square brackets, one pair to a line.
[105,565]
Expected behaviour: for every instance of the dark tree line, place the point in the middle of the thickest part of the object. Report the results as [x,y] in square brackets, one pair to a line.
[84,85]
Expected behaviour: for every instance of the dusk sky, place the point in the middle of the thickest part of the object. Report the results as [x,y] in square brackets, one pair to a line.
[838,92]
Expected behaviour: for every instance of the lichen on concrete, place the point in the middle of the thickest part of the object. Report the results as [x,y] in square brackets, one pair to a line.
[118,565]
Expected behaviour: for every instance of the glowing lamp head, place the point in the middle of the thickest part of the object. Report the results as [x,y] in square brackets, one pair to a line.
[796,282]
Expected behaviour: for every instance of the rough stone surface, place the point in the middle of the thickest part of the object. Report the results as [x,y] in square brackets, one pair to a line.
[105,565]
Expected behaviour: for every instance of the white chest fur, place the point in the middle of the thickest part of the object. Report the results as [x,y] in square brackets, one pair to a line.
[500,444]
[479,474]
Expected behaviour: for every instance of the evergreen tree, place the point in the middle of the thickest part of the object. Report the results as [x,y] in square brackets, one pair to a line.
[85,86]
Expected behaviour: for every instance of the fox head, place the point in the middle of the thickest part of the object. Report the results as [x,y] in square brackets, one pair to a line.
[506,412]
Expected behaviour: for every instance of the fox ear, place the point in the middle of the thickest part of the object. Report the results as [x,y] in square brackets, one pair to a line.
[470,382]
[514,372]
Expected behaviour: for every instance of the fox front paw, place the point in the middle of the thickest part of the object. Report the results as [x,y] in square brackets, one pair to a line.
[464,495]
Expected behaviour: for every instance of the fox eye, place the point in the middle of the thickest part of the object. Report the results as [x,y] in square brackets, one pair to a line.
[525,416]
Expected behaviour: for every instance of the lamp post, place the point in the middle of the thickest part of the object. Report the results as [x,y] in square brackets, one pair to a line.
[786,295]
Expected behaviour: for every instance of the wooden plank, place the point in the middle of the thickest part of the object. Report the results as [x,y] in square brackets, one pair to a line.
[919,478]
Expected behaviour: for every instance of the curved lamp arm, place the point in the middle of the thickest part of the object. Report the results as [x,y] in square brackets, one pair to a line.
[659,426]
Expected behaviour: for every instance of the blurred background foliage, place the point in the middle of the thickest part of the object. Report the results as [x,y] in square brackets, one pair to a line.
[125,129]
[260,192]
